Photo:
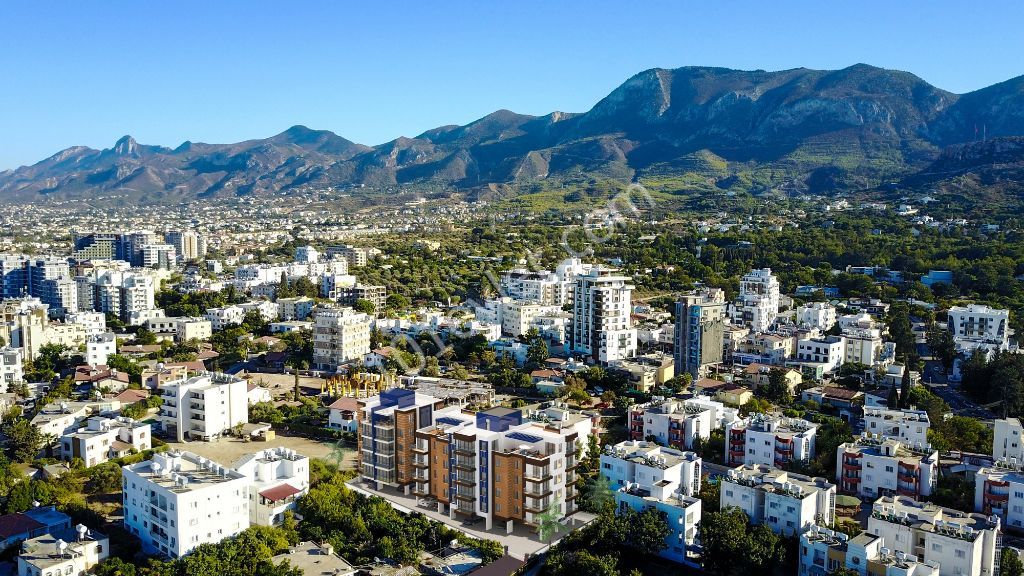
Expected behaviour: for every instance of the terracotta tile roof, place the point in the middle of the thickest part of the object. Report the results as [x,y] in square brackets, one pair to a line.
[15,524]
[278,493]
[345,404]
[132,396]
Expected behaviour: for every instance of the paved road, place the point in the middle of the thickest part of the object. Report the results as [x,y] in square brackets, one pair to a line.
[961,405]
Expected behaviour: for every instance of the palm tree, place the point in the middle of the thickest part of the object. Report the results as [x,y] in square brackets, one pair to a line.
[549,524]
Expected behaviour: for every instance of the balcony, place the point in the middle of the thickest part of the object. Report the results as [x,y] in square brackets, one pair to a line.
[995,497]
[464,463]
[465,480]
[537,490]
[536,474]
[537,505]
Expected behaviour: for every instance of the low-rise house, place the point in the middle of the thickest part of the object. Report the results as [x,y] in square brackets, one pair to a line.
[823,551]
[678,423]
[958,542]
[69,551]
[315,560]
[278,478]
[758,375]
[11,367]
[257,393]
[999,491]
[871,466]
[734,395]
[101,376]
[31,523]
[769,440]
[907,426]
[343,414]
[786,502]
[646,475]
[104,438]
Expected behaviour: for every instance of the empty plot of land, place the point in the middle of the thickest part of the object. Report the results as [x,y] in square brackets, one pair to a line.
[228,450]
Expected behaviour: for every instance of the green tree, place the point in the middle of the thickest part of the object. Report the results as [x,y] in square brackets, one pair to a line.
[900,329]
[537,352]
[776,390]
[1010,563]
[105,478]
[23,440]
[364,306]
[548,521]
[941,345]
[905,384]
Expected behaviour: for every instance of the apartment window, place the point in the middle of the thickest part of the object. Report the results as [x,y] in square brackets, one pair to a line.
[1018,494]
[960,554]
[936,547]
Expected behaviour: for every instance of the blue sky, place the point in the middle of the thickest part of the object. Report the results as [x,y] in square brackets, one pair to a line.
[222,71]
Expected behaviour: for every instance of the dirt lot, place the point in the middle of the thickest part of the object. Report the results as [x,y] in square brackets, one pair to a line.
[281,385]
[228,450]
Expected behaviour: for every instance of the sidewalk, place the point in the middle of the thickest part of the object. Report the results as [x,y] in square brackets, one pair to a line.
[521,543]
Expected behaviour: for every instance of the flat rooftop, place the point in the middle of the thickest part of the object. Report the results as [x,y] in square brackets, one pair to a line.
[42,553]
[649,454]
[313,559]
[774,480]
[190,471]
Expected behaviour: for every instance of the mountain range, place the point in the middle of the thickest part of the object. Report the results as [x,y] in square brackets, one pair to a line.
[756,131]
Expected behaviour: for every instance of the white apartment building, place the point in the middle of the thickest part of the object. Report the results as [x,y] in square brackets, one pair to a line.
[957,542]
[158,256]
[224,316]
[764,439]
[820,315]
[340,335]
[298,308]
[1006,440]
[979,326]
[307,255]
[644,475]
[518,317]
[827,352]
[999,491]
[601,324]
[679,423]
[864,346]
[66,551]
[823,551]
[94,322]
[104,438]
[126,295]
[178,501]
[279,477]
[12,369]
[787,503]
[181,328]
[100,347]
[186,329]
[907,426]
[871,466]
[267,310]
[204,407]
[543,287]
[758,301]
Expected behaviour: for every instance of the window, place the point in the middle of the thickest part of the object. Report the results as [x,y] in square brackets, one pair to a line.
[936,547]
